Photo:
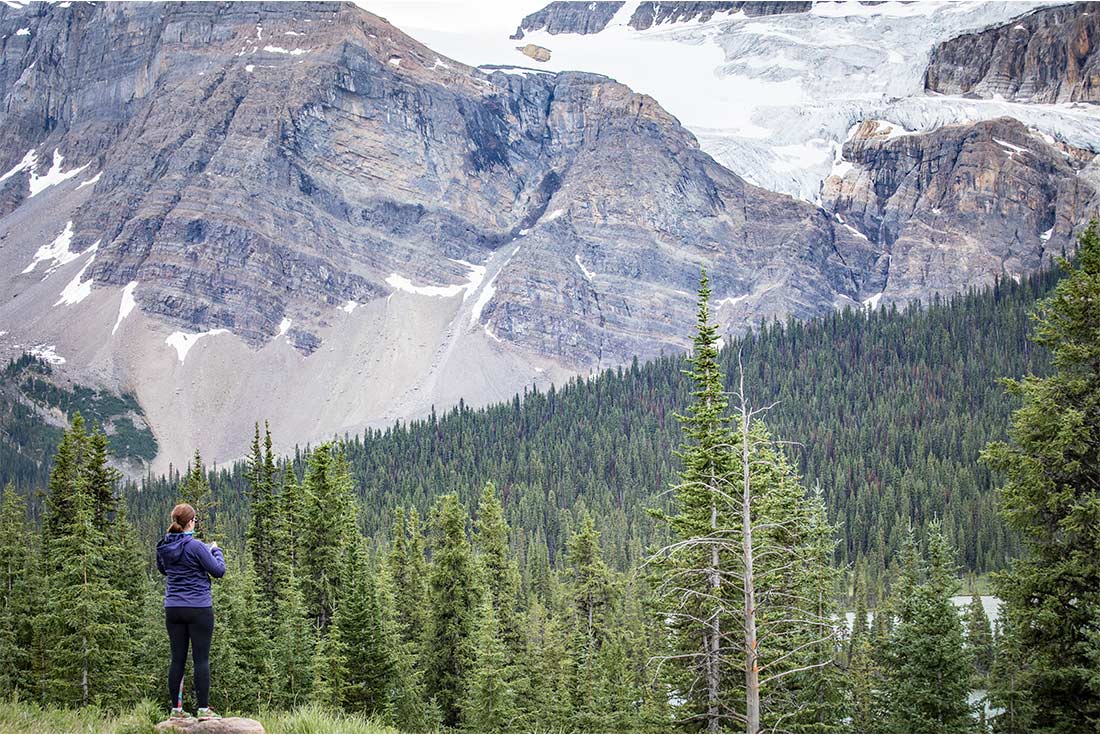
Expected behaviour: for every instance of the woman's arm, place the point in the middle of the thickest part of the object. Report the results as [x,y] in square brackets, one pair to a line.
[211,559]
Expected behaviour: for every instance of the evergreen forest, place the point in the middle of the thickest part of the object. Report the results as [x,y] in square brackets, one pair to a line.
[671,546]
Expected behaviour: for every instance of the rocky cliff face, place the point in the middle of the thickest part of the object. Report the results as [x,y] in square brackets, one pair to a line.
[649,14]
[1048,56]
[592,17]
[569,16]
[258,166]
[958,205]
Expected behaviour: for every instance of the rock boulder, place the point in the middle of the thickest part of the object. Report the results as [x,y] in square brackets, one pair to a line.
[222,725]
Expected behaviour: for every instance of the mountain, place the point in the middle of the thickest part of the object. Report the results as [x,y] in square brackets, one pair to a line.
[1046,56]
[299,212]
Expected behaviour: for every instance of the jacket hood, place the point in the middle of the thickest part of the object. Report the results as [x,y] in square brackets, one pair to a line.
[170,548]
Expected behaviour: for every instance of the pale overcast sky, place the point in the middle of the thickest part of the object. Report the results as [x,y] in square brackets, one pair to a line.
[453,15]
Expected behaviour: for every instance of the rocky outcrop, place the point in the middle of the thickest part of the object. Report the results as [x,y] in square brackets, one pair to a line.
[1049,55]
[538,53]
[959,205]
[649,14]
[569,16]
[219,725]
[592,17]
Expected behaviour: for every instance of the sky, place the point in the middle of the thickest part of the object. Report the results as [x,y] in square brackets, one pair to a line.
[453,15]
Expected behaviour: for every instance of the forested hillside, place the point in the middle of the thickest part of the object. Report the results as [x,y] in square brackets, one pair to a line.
[886,411]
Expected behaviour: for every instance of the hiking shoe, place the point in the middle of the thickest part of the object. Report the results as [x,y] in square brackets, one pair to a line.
[179,713]
[205,713]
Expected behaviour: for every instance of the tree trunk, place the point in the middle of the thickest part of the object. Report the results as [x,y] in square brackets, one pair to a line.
[752,668]
[713,639]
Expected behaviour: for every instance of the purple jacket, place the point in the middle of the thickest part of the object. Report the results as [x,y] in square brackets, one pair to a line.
[189,564]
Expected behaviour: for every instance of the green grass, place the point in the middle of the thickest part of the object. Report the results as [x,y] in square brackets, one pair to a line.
[29,717]
[16,716]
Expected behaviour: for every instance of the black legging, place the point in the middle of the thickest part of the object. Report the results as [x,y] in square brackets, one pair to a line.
[194,624]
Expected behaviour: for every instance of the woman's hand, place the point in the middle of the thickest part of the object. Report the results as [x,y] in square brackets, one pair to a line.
[213,545]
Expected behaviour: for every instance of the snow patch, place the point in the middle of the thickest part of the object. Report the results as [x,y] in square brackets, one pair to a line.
[284,326]
[126,305]
[183,342]
[587,273]
[23,32]
[281,50]
[89,182]
[349,307]
[473,280]
[1012,149]
[249,67]
[440,64]
[1046,235]
[293,33]
[78,289]
[48,353]
[54,176]
[552,216]
[394,61]
[29,160]
[872,302]
[57,252]
[489,332]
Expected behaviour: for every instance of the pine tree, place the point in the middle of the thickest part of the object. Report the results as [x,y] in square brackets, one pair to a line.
[1050,498]
[454,596]
[928,669]
[489,704]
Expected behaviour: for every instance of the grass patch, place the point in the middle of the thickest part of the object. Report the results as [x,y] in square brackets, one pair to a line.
[16,716]
[30,717]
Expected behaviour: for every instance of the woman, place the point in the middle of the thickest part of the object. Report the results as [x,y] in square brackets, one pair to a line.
[188,608]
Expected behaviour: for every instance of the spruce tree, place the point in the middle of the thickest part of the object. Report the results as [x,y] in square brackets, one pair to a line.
[404,691]
[292,648]
[195,491]
[15,545]
[502,578]
[264,506]
[85,645]
[453,596]
[489,704]
[369,664]
[409,572]
[329,670]
[1050,497]
[979,640]
[545,690]
[928,670]
[327,527]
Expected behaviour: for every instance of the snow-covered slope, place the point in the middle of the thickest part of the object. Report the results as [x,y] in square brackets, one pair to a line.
[772,97]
